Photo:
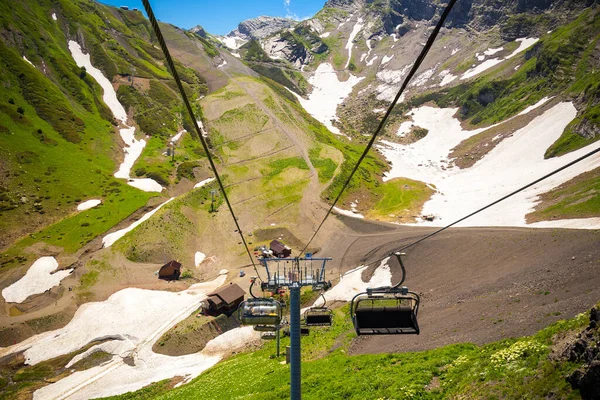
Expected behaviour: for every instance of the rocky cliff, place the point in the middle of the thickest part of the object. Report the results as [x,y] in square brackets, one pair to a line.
[261,27]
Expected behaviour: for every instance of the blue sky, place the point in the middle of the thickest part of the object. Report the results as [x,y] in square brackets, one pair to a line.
[221,16]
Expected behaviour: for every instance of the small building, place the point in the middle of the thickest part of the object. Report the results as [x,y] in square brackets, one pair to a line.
[170,271]
[279,249]
[224,300]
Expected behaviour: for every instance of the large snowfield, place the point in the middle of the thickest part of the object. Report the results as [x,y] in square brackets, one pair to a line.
[129,322]
[515,162]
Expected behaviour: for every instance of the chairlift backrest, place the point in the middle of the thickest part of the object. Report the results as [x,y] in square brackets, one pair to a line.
[386,311]
[318,316]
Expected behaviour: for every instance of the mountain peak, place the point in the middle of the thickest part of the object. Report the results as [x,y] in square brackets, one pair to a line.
[261,27]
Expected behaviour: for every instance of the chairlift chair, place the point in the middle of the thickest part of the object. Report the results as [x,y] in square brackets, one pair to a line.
[386,310]
[260,311]
[318,316]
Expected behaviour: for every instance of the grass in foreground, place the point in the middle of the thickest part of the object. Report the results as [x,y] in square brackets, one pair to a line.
[510,369]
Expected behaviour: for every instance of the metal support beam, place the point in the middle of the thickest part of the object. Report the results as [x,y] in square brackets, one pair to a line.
[295,371]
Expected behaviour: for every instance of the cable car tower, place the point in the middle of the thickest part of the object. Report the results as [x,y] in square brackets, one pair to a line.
[295,273]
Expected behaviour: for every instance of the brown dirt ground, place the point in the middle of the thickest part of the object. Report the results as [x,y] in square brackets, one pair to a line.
[483,284]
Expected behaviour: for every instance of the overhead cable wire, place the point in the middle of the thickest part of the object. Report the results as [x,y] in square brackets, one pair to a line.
[199,132]
[382,123]
[577,160]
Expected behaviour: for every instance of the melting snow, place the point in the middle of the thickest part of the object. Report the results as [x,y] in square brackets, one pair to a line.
[54,16]
[328,92]
[347,213]
[133,320]
[204,182]
[404,128]
[29,62]
[487,64]
[386,59]
[423,78]
[236,55]
[515,161]
[351,283]
[525,44]
[370,62]
[536,105]
[86,205]
[390,78]
[111,238]
[224,63]
[38,279]
[133,147]
[447,77]
[357,27]
[491,51]
[198,258]
[454,51]
[176,138]
[232,42]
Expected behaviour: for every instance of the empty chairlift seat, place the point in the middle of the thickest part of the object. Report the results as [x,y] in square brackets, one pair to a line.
[317,316]
[387,311]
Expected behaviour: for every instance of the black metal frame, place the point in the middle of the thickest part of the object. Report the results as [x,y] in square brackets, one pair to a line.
[383,294]
[322,310]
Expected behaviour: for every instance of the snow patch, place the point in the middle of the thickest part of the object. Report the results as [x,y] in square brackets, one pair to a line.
[328,92]
[370,62]
[454,51]
[405,128]
[325,34]
[347,213]
[86,205]
[111,238]
[357,27]
[233,42]
[38,278]
[236,55]
[390,78]
[386,59]
[204,182]
[134,319]
[491,51]
[29,62]
[514,162]
[54,16]
[133,148]
[447,77]
[536,105]
[224,63]
[423,78]
[198,258]
[176,138]
[351,283]
[524,43]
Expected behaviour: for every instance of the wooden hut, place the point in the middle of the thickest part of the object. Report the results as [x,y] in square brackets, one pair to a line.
[279,249]
[224,300]
[170,271]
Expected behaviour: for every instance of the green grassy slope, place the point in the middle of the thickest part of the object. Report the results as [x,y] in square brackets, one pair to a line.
[508,369]
[561,63]
[58,141]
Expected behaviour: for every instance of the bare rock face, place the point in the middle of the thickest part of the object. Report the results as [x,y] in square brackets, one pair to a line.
[587,349]
[198,30]
[261,27]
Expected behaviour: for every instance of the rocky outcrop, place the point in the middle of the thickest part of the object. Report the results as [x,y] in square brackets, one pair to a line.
[298,46]
[261,27]
[586,348]
[199,30]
